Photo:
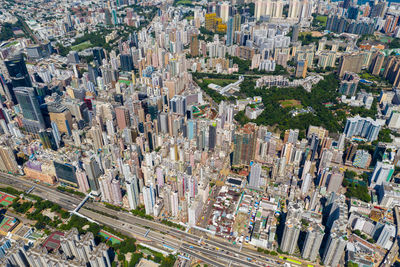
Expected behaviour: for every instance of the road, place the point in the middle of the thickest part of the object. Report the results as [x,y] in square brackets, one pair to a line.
[69,202]
[391,255]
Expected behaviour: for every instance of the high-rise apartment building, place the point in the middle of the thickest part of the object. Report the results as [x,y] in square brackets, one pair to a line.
[194,45]
[334,249]
[7,160]
[350,63]
[312,243]
[255,176]
[244,141]
[363,127]
[301,69]
[290,235]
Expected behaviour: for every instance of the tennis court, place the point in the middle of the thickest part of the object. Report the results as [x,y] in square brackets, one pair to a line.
[113,238]
[7,224]
[6,199]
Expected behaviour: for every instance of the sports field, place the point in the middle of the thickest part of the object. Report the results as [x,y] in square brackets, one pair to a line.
[7,223]
[113,238]
[6,199]
[290,103]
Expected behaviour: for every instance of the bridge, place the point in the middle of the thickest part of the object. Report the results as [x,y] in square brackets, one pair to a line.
[27,192]
[147,232]
[232,85]
[82,203]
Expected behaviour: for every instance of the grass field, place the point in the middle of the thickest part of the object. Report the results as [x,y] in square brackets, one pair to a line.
[322,19]
[183,2]
[11,44]
[5,199]
[220,82]
[81,46]
[125,82]
[290,103]
[113,238]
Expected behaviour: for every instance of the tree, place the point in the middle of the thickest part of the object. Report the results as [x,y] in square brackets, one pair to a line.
[348,174]
[384,136]
[395,43]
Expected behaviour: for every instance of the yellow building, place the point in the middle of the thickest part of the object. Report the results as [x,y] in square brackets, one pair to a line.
[63,120]
[221,27]
[210,21]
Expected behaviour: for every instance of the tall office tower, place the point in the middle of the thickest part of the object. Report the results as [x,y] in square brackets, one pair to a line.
[229,31]
[376,63]
[56,133]
[382,173]
[62,117]
[290,235]
[301,69]
[149,199]
[122,116]
[18,72]
[47,139]
[126,62]
[350,63]
[244,141]
[334,249]
[33,119]
[315,234]
[255,176]
[194,45]
[82,181]
[212,136]
[132,189]
[98,54]
[93,172]
[7,160]
[96,134]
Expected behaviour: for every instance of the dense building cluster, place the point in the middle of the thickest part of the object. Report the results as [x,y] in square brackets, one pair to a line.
[162,108]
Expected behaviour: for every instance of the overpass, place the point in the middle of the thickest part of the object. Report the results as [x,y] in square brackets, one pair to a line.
[82,203]
[232,85]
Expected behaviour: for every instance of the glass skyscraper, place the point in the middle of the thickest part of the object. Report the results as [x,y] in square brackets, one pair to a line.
[33,119]
[18,72]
